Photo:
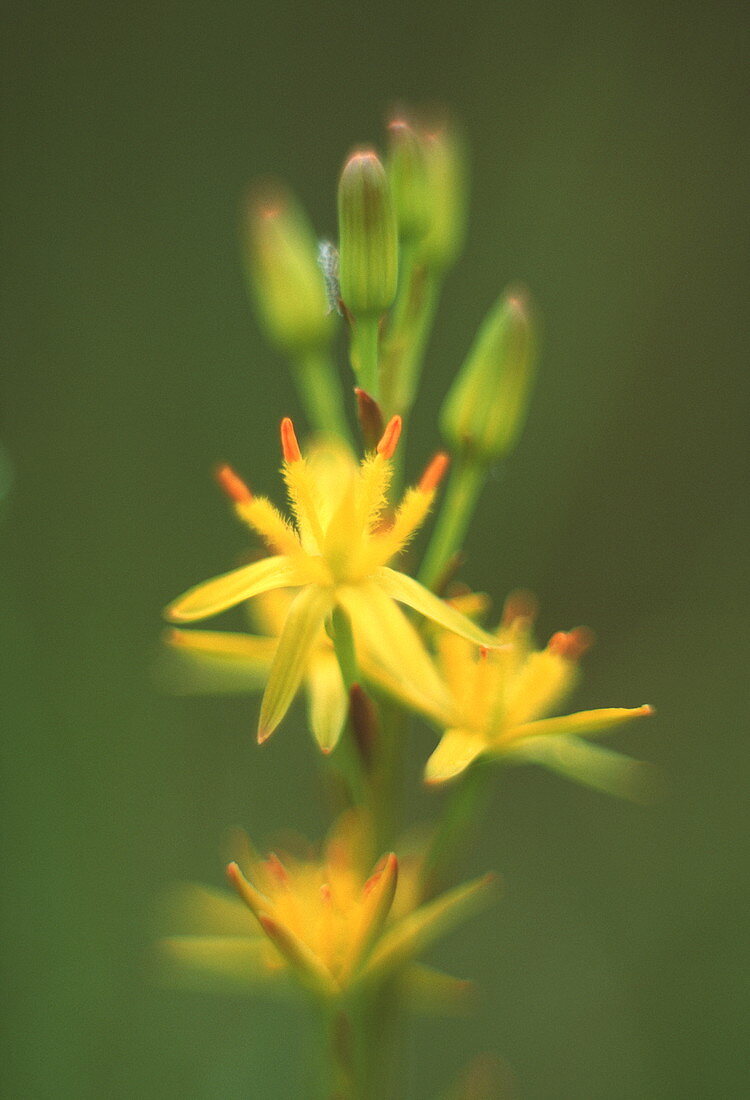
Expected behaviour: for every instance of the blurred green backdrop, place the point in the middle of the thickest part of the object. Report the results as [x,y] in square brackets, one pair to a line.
[607,164]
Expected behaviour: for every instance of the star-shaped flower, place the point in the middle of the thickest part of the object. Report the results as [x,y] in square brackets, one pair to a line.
[324,924]
[501,700]
[335,552]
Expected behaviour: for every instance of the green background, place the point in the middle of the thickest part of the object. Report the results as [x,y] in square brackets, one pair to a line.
[606,149]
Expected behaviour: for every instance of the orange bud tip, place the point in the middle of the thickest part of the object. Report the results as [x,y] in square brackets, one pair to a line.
[364,155]
[388,865]
[520,605]
[483,652]
[434,472]
[647,711]
[289,444]
[571,644]
[234,874]
[264,733]
[389,441]
[269,925]
[277,869]
[233,485]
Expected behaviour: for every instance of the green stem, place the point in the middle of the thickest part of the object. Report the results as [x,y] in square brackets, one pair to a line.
[365,354]
[347,755]
[320,390]
[409,329]
[464,486]
[462,811]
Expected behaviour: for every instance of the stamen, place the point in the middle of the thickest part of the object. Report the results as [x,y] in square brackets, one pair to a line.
[571,644]
[434,472]
[233,485]
[389,441]
[289,444]
[519,605]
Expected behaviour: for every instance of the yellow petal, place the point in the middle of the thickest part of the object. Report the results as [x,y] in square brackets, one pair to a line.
[540,686]
[585,723]
[310,970]
[417,931]
[415,595]
[225,591]
[457,749]
[207,661]
[303,621]
[594,765]
[327,699]
[189,909]
[379,892]
[222,964]
[391,638]
[426,989]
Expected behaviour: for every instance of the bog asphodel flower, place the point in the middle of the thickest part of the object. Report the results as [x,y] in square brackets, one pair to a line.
[335,552]
[326,924]
[501,700]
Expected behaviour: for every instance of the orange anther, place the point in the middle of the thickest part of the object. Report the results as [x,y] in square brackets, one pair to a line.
[571,644]
[233,485]
[519,605]
[434,472]
[389,441]
[289,444]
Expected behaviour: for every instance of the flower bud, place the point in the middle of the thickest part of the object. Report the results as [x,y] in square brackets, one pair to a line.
[484,411]
[446,170]
[407,173]
[368,240]
[287,284]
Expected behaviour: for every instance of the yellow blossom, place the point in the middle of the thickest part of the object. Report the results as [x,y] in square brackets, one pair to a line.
[323,924]
[335,552]
[501,700]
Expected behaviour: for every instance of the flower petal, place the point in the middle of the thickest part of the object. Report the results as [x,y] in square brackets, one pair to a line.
[327,700]
[392,640]
[585,723]
[421,928]
[415,595]
[229,589]
[195,662]
[303,621]
[594,765]
[457,749]
[426,989]
[222,964]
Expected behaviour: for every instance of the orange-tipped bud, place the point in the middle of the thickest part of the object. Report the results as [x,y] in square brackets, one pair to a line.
[370,418]
[289,443]
[389,440]
[364,720]
[434,472]
[233,485]
[571,644]
[520,605]
[277,869]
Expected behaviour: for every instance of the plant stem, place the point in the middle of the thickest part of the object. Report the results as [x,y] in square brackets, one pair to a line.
[460,816]
[464,486]
[365,354]
[320,391]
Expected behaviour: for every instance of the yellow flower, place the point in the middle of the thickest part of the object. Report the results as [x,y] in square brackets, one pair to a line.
[335,552]
[323,923]
[501,700]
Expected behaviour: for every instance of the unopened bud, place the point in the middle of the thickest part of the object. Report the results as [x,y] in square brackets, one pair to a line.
[485,409]
[282,265]
[407,172]
[368,239]
[447,185]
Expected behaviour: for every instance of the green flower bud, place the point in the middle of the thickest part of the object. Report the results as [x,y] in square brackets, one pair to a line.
[447,183]
[485,409]
[368,240]
[407,172]
[282,267]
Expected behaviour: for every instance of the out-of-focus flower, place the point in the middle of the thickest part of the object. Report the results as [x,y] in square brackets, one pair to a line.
[321,924]
[336,553]
[501,700]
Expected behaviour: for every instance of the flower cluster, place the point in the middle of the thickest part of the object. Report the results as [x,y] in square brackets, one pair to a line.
[340,605]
